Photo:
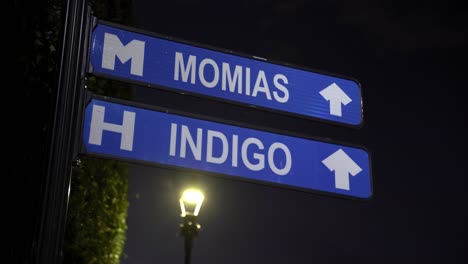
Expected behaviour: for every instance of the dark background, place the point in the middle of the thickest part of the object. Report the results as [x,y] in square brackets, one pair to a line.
[409,57]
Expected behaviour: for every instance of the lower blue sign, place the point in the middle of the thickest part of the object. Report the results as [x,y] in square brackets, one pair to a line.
[153,137]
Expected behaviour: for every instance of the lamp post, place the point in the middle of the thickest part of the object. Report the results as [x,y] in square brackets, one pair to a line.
[190,204]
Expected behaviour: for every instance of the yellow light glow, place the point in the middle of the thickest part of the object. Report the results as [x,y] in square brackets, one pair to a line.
[194,197]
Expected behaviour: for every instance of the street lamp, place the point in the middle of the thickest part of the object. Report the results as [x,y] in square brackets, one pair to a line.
[190,204]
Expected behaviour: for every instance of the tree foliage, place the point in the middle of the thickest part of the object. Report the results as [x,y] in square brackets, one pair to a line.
[32,37]
[98,210]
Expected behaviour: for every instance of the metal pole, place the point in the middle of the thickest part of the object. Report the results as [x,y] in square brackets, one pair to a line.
[188,248]
[189,229]
[49,235]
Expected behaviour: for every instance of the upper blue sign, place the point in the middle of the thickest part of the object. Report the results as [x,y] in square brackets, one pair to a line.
[250,81]
[153,137]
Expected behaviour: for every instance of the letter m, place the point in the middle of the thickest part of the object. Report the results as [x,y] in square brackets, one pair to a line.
[134,50]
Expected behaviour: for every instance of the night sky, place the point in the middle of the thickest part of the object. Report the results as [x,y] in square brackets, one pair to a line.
[409,57]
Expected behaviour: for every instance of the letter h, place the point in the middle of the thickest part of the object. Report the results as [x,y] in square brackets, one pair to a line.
[98,126]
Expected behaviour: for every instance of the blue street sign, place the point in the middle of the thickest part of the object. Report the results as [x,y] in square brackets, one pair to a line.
[156,137]
[165,63]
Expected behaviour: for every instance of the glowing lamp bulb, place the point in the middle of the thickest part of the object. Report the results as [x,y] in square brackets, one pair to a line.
[190,202]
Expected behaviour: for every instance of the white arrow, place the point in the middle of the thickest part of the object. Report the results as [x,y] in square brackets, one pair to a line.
[343,165]
[336,97]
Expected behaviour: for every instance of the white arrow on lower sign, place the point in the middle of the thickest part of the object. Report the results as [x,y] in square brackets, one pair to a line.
[336,96]
[343,165]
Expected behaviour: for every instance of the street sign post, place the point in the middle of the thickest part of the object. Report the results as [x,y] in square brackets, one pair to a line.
[162,62]
[132,133]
